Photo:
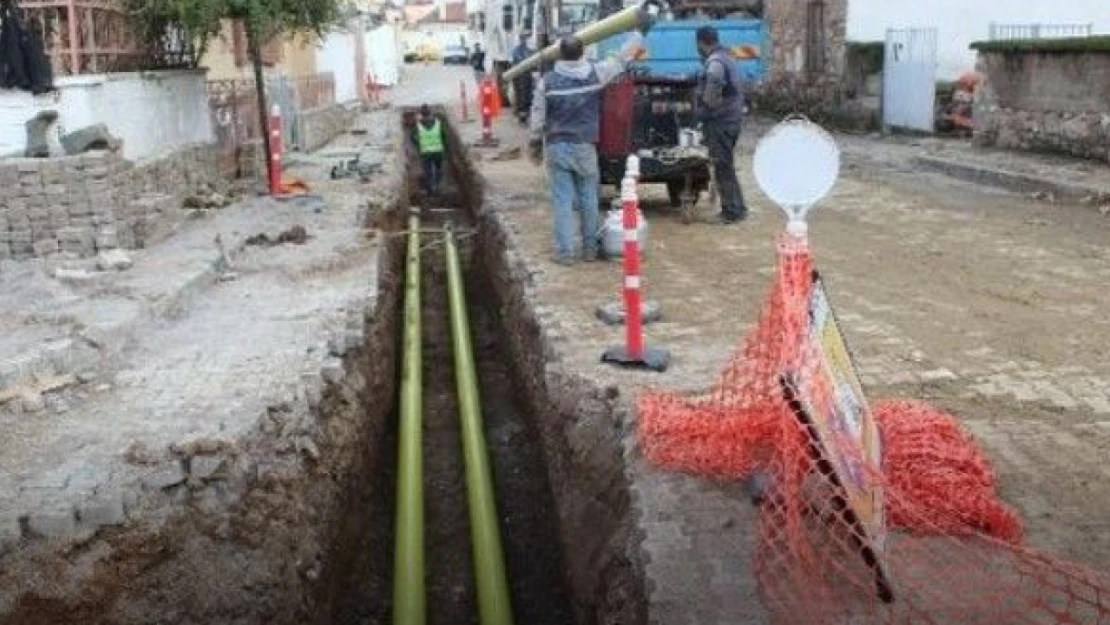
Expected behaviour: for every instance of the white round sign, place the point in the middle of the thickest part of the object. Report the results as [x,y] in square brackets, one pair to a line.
[796,165]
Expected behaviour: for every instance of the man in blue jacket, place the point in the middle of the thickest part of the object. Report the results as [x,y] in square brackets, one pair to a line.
[566,110]
[720,109]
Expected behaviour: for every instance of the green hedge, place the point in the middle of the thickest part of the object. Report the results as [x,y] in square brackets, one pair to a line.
[1099,43]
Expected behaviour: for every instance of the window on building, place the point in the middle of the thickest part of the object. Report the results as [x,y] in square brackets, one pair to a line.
[815,37]
[507,17]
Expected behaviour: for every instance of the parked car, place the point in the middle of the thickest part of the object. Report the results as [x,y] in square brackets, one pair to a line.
[455,55]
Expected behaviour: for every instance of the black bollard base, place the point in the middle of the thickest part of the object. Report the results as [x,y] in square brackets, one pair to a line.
[654,359]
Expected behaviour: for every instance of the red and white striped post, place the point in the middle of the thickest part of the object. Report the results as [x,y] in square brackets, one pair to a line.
[633,353]
[633,327]
[488,90]
[462,101]
[275,150]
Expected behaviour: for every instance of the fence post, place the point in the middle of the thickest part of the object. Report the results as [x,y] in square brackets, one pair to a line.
[488,91]
[275,151]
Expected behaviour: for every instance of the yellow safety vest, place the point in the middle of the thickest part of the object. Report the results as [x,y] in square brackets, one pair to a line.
[429,140]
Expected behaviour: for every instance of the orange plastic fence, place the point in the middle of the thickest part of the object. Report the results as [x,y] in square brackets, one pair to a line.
[951,550]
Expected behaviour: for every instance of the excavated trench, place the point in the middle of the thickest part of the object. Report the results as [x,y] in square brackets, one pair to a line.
[565,518]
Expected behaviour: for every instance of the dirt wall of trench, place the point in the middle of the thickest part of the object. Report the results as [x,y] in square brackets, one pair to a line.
[580,426]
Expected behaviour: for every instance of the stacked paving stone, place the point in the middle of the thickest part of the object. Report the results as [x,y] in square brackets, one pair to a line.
[83,204]
[320,125]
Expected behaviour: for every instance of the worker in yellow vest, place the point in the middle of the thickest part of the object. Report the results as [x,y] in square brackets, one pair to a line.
[430,145]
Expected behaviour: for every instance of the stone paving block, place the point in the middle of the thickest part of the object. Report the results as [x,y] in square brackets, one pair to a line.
[206,467]
[59,522]
[165,476]
[10,531]
[104,509]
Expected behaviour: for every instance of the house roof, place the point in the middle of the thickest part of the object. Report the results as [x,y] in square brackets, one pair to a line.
[452,13]
[415,14]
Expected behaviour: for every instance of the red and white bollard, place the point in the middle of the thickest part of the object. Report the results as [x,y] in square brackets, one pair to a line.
[489,93]
[275,151]
[633,353]
[462,101]
[633,326]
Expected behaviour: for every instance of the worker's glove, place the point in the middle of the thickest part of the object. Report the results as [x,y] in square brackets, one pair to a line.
[535,151]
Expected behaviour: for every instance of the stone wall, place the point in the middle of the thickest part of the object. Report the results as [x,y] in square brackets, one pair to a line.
[1047,101]
[798,81]
[96,201]
[318,126]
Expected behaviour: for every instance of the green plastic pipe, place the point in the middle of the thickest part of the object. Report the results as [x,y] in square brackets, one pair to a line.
[494,604]
[409,607]
[639,16]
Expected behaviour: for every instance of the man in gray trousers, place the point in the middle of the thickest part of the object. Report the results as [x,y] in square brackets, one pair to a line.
[720,109]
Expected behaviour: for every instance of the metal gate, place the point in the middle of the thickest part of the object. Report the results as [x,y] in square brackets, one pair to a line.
[909,78]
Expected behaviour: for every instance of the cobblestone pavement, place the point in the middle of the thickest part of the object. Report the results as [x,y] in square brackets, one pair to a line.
[199,350]
[988,304]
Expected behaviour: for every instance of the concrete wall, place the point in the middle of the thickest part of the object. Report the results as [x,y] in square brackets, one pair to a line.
[1045,101]
[383,55]
[961,22]
[337,55]
[154,113]
[96,201]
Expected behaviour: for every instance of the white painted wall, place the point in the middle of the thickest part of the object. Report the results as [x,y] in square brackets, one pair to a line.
[337,55]
[152,112]
[960,22]
[383,55]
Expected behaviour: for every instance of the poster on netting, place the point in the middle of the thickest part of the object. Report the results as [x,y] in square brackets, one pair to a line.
[830,401]
[845,426]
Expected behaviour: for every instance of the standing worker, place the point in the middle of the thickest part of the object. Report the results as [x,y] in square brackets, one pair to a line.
[566,110]
[428,136]
[522,85]
[478,62]
[720,110]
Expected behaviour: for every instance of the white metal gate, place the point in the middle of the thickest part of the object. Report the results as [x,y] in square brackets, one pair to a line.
[909,78]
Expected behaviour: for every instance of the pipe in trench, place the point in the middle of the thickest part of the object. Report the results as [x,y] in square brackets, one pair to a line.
[494,603]
[409,600]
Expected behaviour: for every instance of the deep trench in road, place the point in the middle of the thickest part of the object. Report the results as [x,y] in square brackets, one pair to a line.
[524,498]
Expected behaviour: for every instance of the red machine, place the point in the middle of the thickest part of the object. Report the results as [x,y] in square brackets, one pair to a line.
[647,116]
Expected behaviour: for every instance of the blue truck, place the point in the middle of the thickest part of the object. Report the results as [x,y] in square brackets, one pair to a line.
[672,51]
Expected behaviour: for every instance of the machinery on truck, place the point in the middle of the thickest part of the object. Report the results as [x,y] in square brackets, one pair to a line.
[650,112]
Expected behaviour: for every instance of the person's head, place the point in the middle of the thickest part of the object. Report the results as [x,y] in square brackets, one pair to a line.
[477,47]
[707,40]
[524,38]
[425,112]
[571,48]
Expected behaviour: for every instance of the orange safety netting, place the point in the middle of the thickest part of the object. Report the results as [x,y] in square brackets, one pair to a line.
[936,545]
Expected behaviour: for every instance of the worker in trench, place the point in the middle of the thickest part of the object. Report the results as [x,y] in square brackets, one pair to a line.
[720,111]
[428,137]
[565,121]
